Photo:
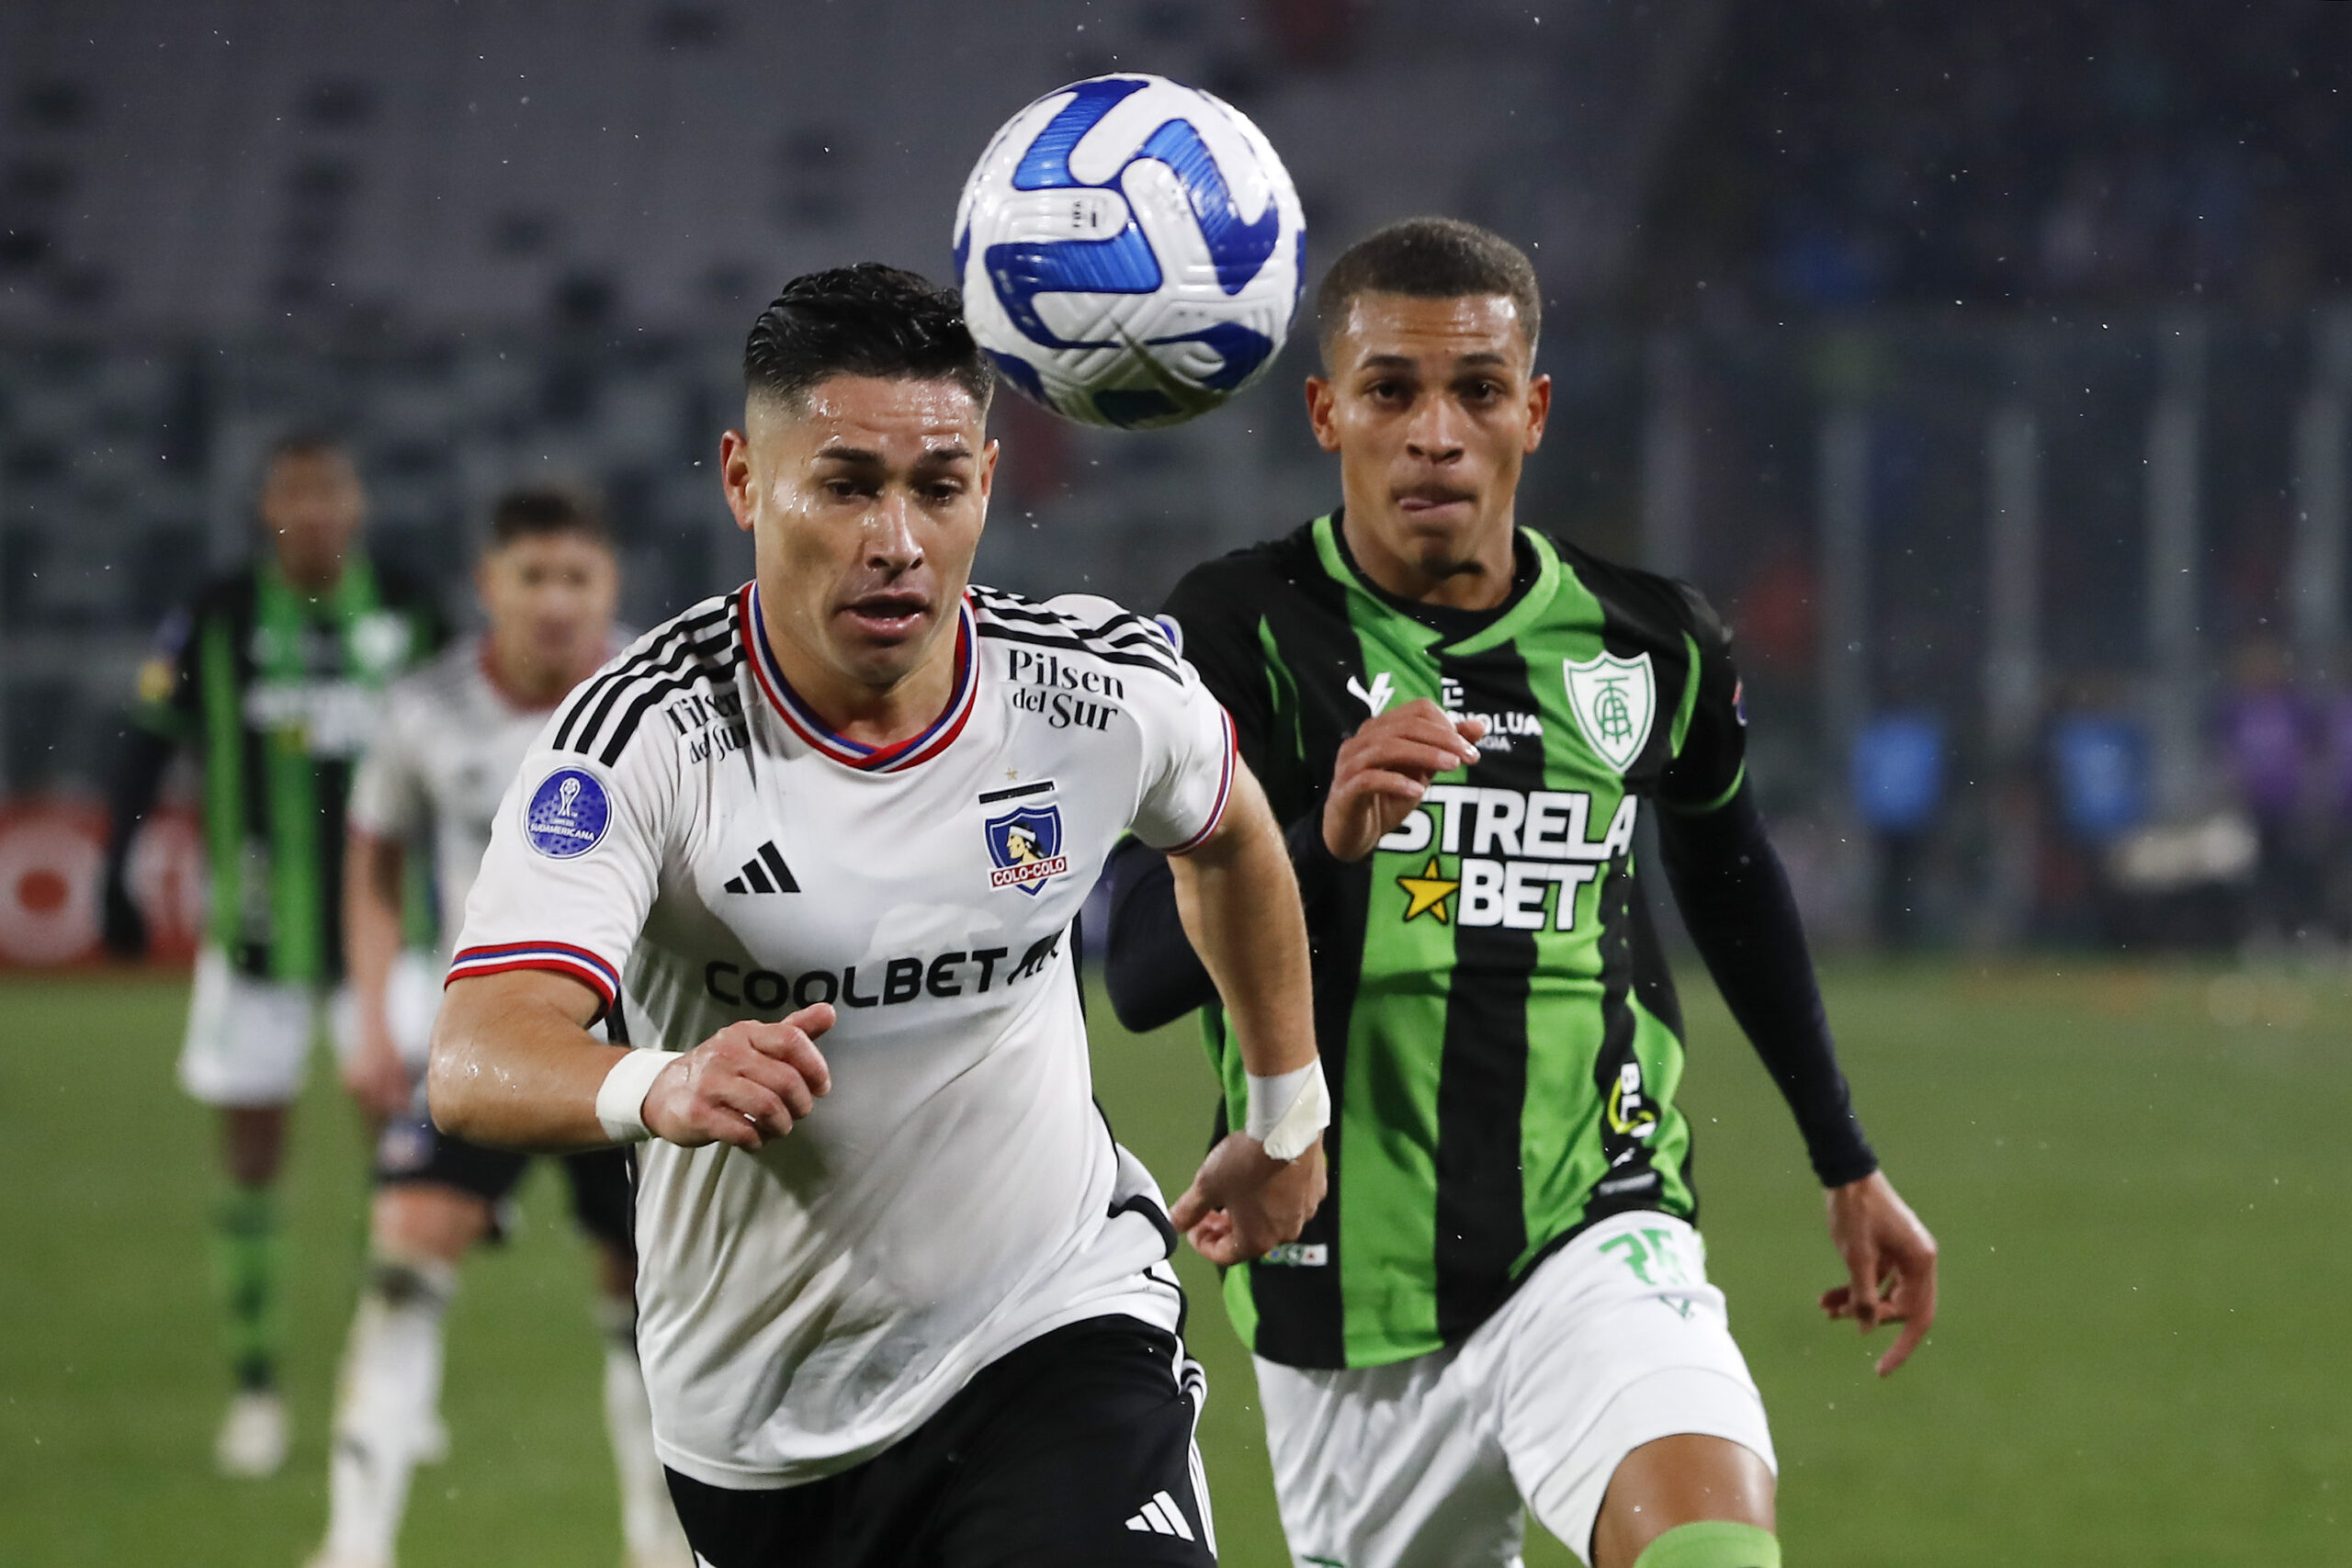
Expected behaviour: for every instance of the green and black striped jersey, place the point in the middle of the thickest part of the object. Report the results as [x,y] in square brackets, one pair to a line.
[1497,1027]
[278,693]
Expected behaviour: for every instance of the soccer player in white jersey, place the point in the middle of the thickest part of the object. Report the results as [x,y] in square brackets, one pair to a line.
[902,1300]
[453,735]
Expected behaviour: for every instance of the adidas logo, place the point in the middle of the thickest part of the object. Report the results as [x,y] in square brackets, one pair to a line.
[764,873]
[1162,1517]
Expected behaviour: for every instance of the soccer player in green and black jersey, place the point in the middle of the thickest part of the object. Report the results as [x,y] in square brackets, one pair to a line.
[272,676]
[1502,1300]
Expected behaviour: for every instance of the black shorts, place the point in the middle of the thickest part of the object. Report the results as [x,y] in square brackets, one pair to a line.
[1074,1451]
[412,1150]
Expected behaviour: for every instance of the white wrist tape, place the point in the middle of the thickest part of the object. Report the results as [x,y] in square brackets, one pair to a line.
[620,1100]
[1288,1110]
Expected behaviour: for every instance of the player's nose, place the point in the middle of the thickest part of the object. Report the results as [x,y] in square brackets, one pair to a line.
[1435,433]
[889,540]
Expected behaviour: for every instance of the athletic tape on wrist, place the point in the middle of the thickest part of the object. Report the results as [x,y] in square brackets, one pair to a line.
[1287,1110]
[620,1099]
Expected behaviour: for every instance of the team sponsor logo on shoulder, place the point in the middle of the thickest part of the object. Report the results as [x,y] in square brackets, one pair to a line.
[711,723]
[1614,700]
[1025,847]
[567,815]
[1065,693]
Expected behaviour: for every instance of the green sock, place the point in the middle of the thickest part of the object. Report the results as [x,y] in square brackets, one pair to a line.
[1712,1544]
[247,1254]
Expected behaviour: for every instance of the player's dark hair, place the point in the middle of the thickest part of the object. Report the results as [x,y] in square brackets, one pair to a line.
[532,511]
[868,320]
[1430,258]
[307,441]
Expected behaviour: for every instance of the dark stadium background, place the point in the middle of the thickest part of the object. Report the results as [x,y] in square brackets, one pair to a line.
[1989,365]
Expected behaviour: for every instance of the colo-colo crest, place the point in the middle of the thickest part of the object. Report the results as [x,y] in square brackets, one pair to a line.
[1025,847]
[1614,700]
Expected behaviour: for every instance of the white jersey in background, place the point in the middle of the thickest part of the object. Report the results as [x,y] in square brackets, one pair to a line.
[444,753]
[447,746]
[687,831]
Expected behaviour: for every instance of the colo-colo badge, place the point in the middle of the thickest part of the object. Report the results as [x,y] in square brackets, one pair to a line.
[1025,847]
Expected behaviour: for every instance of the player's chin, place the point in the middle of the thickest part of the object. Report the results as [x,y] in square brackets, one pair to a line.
[1438,534]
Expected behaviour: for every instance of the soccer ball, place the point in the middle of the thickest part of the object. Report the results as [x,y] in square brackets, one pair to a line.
[1130,251]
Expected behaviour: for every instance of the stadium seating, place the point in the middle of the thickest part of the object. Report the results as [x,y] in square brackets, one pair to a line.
[489,241]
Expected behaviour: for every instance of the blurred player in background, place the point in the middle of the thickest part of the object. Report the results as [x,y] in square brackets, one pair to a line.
[273,677]
[454,734]
[915,1309]
[1502,1299]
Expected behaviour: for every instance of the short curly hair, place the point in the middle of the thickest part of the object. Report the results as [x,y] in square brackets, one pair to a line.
[866,320]
[1430,258]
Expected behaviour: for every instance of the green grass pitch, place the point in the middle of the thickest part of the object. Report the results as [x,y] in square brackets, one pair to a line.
[2141,1357]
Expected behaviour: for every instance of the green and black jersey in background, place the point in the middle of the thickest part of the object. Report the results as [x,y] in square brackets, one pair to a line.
[278,691]
[1497,1027]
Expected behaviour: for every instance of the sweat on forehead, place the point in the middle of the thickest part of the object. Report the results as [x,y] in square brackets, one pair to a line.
[1398,330]
[941,398]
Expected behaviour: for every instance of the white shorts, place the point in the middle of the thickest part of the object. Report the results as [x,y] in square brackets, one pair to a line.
[249,1039]
[1617,1340]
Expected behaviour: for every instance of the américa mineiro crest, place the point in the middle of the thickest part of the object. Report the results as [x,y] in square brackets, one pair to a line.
[1613,700]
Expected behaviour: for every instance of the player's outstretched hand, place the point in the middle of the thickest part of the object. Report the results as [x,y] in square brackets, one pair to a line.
[746,1084]
[1890,1263]
[1385,768]
[1245,1202]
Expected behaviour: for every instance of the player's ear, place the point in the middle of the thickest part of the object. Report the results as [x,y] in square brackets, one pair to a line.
[989,455]
[1321,404]
[1539,411]
[735,476]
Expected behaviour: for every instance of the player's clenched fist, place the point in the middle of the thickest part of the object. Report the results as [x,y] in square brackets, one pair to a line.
[746,1084]
[1385,768]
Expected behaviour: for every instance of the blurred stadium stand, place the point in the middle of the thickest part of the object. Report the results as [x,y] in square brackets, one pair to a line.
[1983,365]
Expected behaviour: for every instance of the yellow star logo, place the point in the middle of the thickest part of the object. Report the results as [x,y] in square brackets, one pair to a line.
[1428,892]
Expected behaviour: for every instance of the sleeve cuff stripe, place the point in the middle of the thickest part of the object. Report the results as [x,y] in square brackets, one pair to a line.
[559,956]
[1224,789]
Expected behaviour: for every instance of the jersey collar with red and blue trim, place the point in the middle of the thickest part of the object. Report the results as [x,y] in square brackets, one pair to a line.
[803,721]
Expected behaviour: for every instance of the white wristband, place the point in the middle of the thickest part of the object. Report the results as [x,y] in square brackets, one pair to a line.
[1288,1110]
[620,1100]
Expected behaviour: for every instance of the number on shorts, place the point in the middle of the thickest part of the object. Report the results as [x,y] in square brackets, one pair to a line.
[1646,1249]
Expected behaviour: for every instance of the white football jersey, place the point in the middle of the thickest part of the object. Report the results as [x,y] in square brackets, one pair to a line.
[687,832]
[445,753]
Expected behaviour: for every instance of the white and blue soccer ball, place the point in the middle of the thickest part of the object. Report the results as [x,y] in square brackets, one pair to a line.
[1130,251]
